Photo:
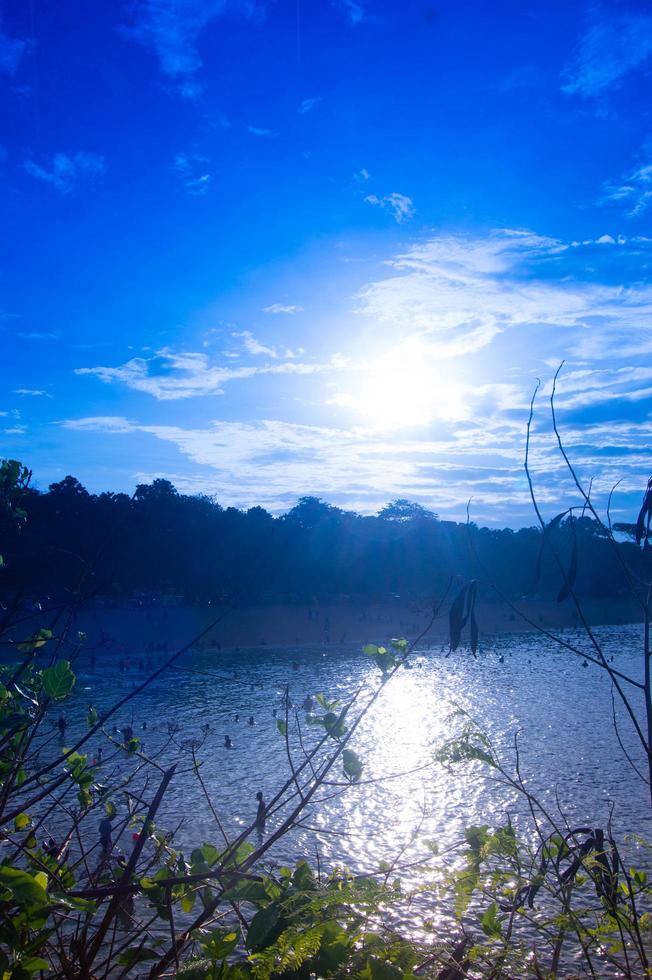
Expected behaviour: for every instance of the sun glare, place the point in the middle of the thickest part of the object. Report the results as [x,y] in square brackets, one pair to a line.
[397,393]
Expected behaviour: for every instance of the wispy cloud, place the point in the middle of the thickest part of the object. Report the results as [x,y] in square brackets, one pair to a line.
[308,104]
[12,50]
[609,50]
[271,462]
[354,10]
[37,335]
[633,191]
[193,173]
[454,295]
[33,392]
[282,308]
[65,172]
[171,28]
[170,375]
[431,399]
[401,206]
[253,346]
[258,131]
[362,176]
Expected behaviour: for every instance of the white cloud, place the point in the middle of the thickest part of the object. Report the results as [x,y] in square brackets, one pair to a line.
[257,131]
[66,171]
[308,104]
[444,345]
[362,176]
[633,191]
[171,375]
[255,347]
[400,205]
[455,295]
[271,462]
[283,308]
[608,51]
[171,28]
[34,392]
[193,174]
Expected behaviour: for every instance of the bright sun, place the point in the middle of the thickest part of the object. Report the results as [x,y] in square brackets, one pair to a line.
[400,392]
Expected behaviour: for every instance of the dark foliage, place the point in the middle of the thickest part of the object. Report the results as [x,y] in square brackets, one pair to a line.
[160,540]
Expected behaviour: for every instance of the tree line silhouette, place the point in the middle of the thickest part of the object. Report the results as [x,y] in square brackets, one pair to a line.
[163,541]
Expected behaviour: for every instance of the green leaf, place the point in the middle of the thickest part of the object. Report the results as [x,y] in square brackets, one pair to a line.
[187,901]
[35,641]
[377,969]
[91,717]
[219,944]
[206,854]
[85,797]
[352,764]
[27,890]
[110,810]
[34,963]
[58,680]
[21,821]
[490,921]
[302,877]
[263,927]
[137,954]
[78,904]
[282,727]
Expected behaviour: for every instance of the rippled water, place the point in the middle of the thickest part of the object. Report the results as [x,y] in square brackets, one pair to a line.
[561,710]
[519,683]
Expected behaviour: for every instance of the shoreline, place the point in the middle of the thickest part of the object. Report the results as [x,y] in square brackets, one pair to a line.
[327,624]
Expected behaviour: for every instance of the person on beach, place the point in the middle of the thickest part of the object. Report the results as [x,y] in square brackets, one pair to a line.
[261,813]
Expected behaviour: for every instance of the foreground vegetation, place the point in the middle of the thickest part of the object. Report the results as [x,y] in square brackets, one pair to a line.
[70,907]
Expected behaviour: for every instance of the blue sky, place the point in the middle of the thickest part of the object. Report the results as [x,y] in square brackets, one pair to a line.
[267,249]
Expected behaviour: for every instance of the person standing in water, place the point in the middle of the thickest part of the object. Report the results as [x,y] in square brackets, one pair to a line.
[106,839]
[61,725]
[261,813]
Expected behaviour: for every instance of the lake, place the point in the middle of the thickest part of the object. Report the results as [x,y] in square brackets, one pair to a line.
[519,683]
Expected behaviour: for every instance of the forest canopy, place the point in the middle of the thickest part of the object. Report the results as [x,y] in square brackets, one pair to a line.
[163,541]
